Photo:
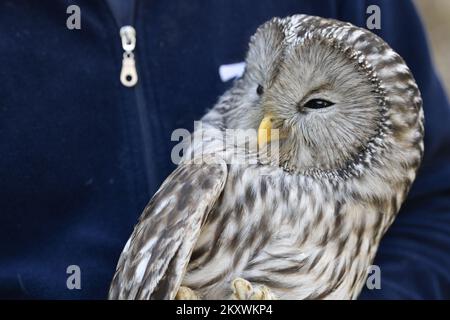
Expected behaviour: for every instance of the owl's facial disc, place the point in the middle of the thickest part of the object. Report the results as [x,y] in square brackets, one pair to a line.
[324,108]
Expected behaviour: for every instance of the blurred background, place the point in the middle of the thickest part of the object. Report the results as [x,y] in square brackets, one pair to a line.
[436,16]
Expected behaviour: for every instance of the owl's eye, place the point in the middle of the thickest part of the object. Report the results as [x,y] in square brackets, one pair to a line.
[259,90]
[318,104]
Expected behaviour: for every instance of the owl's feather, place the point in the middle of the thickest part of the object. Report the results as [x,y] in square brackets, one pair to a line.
[155,258]
[308,226]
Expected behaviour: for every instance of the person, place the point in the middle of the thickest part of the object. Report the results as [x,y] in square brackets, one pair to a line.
[81,154]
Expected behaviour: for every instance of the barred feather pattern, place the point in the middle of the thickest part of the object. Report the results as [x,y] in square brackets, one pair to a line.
[304,232]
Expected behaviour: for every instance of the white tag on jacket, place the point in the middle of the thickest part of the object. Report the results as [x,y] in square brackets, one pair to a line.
[231,71]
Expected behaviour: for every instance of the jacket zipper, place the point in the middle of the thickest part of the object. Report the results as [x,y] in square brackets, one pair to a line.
[128,74]
[129,78]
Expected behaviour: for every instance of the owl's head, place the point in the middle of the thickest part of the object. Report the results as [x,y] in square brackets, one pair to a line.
[339,96]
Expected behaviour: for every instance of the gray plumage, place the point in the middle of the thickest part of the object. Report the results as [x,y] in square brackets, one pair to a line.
[308,226]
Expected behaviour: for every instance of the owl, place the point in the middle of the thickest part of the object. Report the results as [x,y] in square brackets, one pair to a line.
[303,222]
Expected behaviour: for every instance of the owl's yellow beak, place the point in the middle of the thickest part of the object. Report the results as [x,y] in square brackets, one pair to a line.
[265,131]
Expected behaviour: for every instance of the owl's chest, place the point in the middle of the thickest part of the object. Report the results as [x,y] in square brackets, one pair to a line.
[254,211]
[256,199]
[274,225]
[258,208]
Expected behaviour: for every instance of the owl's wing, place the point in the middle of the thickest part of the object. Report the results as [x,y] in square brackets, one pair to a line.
[154,260]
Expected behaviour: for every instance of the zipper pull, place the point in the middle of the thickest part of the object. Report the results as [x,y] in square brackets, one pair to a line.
[128,74]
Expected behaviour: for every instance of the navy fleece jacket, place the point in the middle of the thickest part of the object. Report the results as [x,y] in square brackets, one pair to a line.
[81,155]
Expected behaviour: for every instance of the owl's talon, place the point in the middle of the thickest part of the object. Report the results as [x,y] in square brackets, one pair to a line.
[243,290]
[185,293]
[263,293]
